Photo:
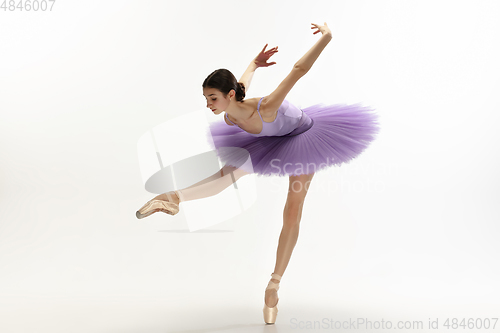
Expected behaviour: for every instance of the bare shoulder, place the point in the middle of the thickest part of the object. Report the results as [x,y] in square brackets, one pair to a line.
[267,109]
[254,103]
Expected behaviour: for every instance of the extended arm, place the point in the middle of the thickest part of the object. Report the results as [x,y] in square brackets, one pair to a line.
[301,67]
[305,63]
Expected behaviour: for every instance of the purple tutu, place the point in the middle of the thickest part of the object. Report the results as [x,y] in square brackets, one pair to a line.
[333,134]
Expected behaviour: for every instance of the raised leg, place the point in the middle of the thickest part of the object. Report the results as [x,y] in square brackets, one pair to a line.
[292,214]
[207,187]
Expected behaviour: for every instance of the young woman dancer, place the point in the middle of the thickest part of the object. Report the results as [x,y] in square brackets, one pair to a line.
[281,140]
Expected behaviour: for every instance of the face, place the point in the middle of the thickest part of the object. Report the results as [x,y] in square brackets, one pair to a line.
[215,100]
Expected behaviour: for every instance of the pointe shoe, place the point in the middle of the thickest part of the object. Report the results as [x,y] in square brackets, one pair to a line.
[156,205]
[271,313]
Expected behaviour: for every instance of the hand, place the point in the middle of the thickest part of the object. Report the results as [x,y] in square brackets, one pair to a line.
[263,57]
[324,29]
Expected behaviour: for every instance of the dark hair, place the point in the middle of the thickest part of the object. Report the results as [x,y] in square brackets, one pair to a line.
[223,80]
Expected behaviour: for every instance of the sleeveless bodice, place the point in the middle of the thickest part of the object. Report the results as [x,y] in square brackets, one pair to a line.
[290,120]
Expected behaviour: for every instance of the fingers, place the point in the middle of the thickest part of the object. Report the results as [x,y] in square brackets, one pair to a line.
[274,49]
[316,26]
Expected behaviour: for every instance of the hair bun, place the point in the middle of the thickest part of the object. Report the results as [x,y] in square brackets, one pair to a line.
[240,92]
[224,81]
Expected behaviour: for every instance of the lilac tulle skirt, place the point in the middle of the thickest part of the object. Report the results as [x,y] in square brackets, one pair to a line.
[338,134]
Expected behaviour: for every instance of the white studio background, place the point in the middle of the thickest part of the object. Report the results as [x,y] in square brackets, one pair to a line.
[408,231]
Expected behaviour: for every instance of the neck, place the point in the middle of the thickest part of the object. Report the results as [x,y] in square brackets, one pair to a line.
[239,111]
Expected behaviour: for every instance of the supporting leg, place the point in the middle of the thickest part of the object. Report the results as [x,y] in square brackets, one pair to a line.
[292,214]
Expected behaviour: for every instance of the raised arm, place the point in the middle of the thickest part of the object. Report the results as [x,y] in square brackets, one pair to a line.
[310,57]
[272,102]
[259,61]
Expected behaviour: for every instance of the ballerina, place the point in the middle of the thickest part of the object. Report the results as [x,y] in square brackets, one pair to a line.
[281,140]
